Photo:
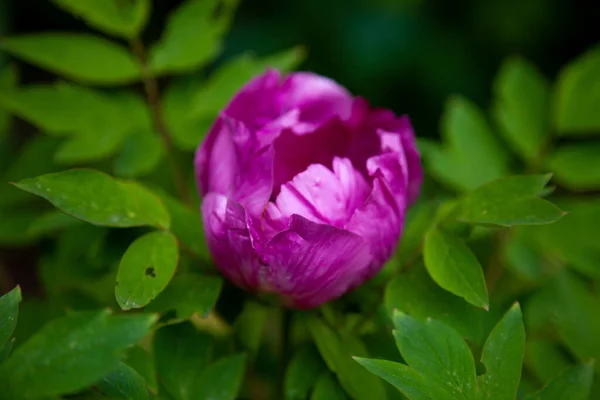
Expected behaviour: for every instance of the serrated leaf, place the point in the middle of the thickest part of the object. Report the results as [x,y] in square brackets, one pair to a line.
[188,294]
[337,353]
[145,269]
[81,57]
[71,353]
[509,201]
[577,95]
[99,198]
[522,107]
[411,383]
[503,357]
[221,380]
[576,166]
[9,311]
[181,352]
[470,155]
[414,293]
[192,36]
[124,383]
[327,388]
[124,19]
[141,153]
[573,384]
[302,373]
[454,267]
[438,353]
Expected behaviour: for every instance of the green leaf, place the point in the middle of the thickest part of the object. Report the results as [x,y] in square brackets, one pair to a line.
[5,352]
[521,257]
[8,81]
[573,384]
[98,198]
[419,219]
[124,383]
[578,94]
[576,166]
[337,353]
[438,353]
[145,269]
[143,363]
[89,147]
[509,201]
[414,293]
[302,373]
[221,380]
[188,294]
[9,311]
[71,353]
[327,388]
[124,19]
[455,268]
[51,222]
[141,154]
[411,383]
[503,357]
[193,35]
[545,359]
[522,107]
[471,155]
[81,57]
[250,325]
[14,229]
[181,352]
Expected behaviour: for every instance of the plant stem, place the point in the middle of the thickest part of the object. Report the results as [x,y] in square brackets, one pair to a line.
[153,98]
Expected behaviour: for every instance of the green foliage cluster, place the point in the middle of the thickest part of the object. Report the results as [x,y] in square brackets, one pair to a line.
[491,295]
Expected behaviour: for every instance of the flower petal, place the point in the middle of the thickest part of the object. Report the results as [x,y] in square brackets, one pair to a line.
[353,184]
[312,263]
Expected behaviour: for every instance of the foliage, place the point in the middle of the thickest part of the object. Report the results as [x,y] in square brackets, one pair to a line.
[491,295]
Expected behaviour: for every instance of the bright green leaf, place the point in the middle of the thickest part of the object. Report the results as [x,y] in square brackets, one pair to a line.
[522,107]
[454,267]
[82,57]
[141,153]
[509,201]
[125,19]
[221,380]
[98,198]
[145,269]
[302,373]
[573,384]
[72,352]
[188,294]
[327,388]
[438,353]
[125,383]
[503,357]
[576,166]
[578,95]
[9,311]
[192,36]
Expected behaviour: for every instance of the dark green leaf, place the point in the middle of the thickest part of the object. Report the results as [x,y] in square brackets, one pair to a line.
[82,57]
[89,147]
[545,359]
[71,353]
[98,198]
[8,81]
[143,362]
[9,311]
[503,357]
[141,153]
[192,36]
[5,352]
[120,18]
[578,94]
[419,219]
[454,267]
[250,325]
[181,352]
[509,201]
[337,353]
[302,373]
[573,384]
[124,383]
[327,388]
[188,294]
[522,107]
[471,155]
[438,353]
[411,383]
[145,269]
[221,380]
[576,166]
[522,258]
[14,229]
[51,222]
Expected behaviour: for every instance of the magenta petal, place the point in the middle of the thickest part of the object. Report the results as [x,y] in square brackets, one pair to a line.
[228,240]
[312,263]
